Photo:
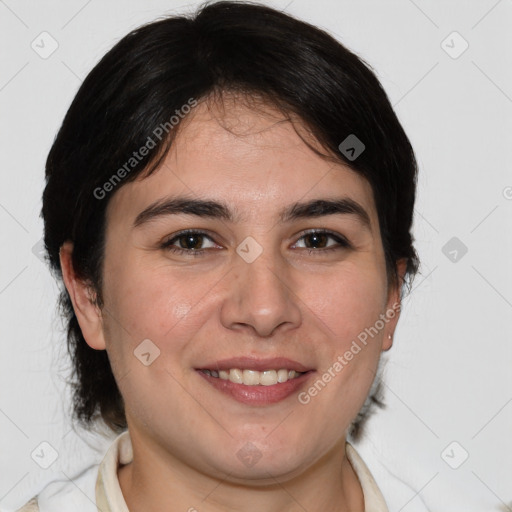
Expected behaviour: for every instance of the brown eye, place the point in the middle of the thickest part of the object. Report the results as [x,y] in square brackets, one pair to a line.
[316,240]
[188,242]
[319,241]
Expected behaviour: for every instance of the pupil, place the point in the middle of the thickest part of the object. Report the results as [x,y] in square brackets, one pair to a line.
[316,236]
[189,241]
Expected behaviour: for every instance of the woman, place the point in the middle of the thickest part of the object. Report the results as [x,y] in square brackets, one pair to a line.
[229,204]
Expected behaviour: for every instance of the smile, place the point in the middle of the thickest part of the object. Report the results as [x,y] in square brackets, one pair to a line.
[256,381]
[254,377]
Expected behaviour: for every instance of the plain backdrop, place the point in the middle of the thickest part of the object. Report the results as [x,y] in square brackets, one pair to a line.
[447,69]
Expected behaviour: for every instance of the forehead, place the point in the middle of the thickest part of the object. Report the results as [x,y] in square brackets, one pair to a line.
[250,158]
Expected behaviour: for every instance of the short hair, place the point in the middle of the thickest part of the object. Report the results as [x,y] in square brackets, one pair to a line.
[225,47]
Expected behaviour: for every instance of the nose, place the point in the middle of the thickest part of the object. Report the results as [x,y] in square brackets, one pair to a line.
[260,297]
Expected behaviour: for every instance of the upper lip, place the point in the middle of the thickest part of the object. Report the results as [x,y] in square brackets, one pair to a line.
[254,363]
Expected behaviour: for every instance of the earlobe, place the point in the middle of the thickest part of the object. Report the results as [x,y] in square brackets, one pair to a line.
[86,311]
[387,343]
[394,305]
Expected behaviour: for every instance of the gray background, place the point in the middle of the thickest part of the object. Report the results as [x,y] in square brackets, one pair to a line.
[448,377]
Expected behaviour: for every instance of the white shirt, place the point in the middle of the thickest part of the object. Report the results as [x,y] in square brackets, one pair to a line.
[97,488]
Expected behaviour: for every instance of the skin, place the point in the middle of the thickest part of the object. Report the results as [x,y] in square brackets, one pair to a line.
[307,307]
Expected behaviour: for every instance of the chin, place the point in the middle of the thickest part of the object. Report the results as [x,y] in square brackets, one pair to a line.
[261,460]
[264,471]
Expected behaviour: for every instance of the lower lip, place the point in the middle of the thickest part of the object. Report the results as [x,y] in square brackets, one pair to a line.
[257,395]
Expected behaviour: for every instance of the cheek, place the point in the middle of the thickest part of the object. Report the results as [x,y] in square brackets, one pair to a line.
[346,309]
[165,308]
[154,302]
[347,303]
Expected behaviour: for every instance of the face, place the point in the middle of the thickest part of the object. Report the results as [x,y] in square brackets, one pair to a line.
[245,318]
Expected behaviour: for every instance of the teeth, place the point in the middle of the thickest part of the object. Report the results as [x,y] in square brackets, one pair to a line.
[282,375]
[254,377]
[236,376]
[268,378]
[251,378]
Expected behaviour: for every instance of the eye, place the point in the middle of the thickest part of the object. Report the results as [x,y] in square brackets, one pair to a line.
[318,241]
[189,242]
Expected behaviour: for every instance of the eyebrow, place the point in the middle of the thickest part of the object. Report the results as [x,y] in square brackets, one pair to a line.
[219,210]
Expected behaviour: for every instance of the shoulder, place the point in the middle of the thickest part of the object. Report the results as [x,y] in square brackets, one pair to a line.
[373,498]
[395,490]
[80,491]
[66,494]
[30,506]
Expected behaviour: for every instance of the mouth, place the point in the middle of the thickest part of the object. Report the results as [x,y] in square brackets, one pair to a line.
[256,381]
[254,377]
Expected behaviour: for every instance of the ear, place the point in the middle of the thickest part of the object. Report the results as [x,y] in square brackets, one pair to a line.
[393,305]
[86,311]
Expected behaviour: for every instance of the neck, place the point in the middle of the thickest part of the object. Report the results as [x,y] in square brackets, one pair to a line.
[152,482]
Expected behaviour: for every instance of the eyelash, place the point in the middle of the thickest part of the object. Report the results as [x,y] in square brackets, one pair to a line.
[167,245]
